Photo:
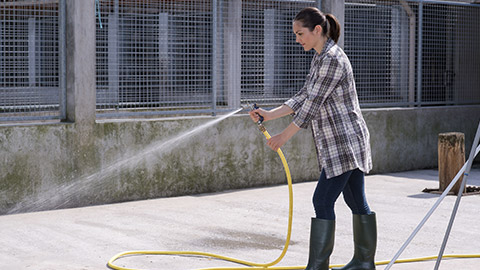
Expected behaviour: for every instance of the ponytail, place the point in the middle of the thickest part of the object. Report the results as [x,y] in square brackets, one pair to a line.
[311,17]
[334,27]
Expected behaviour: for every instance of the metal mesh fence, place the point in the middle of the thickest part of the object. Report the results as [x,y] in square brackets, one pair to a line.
[450,54]
[414,53]
[154,54]
[274,66]
[195,56]
[205,56]
[377,43]
[249,54]
[29,60]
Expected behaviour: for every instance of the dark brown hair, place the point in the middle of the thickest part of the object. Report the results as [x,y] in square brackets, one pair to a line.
[311,17]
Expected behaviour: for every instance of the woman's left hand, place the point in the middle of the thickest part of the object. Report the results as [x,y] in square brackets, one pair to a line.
[279,140]
[276,142]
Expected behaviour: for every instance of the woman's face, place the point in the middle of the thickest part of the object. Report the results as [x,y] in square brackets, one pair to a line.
[308,39]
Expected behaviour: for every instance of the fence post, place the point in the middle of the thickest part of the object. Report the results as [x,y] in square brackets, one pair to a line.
[62,47]
[233,49]
[451,157]
[419,54]
[269,52]
[80,56]
[214,55]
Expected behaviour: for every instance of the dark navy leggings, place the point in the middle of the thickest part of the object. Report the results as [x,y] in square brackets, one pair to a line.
[351,183]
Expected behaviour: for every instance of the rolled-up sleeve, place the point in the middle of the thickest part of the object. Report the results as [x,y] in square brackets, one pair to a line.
[295,103]
[323,83]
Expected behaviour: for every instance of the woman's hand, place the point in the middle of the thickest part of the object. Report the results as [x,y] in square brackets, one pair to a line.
[279,140]
[270,115]
[255,115]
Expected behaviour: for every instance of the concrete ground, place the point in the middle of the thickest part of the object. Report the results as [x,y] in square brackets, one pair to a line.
[246,224]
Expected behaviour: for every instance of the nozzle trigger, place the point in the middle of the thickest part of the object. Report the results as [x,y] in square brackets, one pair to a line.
[261,117]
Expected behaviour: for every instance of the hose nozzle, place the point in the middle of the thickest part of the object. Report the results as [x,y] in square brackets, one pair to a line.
[246,106]
[260,120]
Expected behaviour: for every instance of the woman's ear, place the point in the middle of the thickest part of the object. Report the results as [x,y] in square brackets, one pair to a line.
[318,29]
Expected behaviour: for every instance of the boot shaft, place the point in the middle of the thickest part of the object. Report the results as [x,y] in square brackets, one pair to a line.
[322,238]
[365,236]
[365,243]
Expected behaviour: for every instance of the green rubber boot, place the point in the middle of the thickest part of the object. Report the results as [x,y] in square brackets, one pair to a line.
[365,240]
[322,236]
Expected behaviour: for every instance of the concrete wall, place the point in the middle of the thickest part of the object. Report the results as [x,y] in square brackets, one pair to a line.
[48,166]
[407,138]
[83,161]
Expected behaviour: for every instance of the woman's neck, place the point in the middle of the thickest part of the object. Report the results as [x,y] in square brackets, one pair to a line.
[321,44]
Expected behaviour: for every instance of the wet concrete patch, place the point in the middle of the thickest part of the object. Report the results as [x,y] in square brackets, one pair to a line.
[235,240]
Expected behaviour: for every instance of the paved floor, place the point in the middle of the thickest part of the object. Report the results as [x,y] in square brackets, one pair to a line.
[246,224]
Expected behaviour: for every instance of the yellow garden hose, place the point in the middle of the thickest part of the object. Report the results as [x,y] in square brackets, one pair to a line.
[251,265]
[261,266]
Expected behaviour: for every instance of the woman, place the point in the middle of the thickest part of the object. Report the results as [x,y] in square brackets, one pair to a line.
[328,103]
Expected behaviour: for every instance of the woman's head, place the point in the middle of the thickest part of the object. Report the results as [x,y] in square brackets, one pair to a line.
[317,23]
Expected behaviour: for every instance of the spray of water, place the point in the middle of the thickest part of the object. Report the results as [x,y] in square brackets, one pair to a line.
[62,195]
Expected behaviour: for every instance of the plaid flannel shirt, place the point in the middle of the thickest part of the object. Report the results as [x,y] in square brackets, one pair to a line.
[328,101]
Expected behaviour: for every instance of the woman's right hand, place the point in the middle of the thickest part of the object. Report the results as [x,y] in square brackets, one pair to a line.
[256,113]
[270,115]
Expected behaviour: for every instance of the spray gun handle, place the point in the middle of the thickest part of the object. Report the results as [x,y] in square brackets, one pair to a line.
[260,121]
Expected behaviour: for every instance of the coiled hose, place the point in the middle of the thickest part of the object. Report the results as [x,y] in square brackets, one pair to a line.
[250,265]
[263,266]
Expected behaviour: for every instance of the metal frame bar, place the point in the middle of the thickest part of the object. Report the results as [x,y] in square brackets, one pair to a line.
[161,113]
[475,152]
[27,118]
[450,3]
[63,58]
[459,197]
[419,54]
[214,55]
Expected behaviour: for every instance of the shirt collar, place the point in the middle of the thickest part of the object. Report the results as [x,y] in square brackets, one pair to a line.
[328,45]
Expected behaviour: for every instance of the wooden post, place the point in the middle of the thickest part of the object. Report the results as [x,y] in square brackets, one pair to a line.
[451,157]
